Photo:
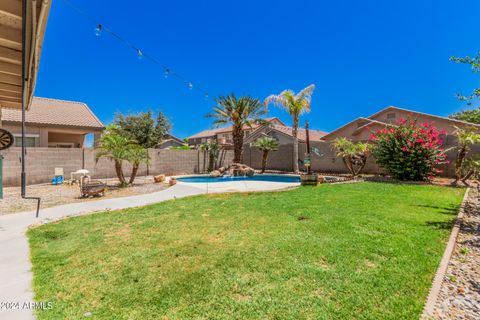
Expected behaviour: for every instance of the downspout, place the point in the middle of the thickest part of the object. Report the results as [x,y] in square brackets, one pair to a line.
[24,99]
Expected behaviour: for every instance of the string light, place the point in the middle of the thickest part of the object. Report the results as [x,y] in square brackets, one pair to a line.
[140,54]
[98,30]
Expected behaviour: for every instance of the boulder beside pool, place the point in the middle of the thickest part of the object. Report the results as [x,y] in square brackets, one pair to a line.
[238,169]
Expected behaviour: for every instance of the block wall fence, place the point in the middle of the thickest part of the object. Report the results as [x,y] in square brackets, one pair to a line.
[41,162]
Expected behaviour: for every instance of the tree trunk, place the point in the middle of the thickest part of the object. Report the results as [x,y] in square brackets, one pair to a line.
[462,152]
[295,144]
[237,143]
[134,173]
[264,160]
[349,163]
[119,171]
[211,161]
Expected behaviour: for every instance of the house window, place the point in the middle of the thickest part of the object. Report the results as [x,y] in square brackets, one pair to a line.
[30,141]
[391,116]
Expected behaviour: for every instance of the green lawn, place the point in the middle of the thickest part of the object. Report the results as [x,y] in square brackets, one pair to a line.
[363,251]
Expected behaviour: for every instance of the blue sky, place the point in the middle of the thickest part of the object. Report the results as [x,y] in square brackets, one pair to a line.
[362,55]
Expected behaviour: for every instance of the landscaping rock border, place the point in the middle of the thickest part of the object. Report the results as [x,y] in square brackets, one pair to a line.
[455,292]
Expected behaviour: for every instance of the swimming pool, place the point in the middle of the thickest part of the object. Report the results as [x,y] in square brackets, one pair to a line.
[257,177]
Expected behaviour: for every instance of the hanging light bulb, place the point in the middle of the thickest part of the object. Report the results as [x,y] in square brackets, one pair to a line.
[190,85]
[166,73]
[139,54]
[98,30]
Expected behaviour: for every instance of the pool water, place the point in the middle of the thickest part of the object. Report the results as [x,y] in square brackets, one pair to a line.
[257,177]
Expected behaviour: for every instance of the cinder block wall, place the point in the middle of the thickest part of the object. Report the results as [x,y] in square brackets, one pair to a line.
[329,162]
[41,163]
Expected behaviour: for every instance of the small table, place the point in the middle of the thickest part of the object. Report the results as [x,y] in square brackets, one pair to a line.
[82,173]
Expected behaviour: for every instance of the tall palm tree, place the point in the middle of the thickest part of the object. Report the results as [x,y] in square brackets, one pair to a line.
[295,104]
[266,144]
[240,112]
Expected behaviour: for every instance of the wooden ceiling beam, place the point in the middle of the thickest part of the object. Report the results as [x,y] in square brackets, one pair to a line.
[10,87]
[10,38]
[9,68]
[10,56]
[10,79]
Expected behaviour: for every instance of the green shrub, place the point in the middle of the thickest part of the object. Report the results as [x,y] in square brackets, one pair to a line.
[409,151]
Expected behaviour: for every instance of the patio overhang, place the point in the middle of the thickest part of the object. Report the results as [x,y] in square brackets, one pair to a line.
[14,52]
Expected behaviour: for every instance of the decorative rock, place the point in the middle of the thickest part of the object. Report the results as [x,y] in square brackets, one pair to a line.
[459,297]
[215,173]
[159,178]
[238,169]
[172,181]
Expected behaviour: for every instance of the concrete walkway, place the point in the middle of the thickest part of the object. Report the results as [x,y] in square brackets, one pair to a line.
[15,274]
[15,266]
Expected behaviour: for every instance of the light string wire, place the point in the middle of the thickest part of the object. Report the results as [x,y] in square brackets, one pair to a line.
[168,72]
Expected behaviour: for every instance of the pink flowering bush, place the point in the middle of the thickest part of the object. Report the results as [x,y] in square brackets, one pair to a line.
[409,151]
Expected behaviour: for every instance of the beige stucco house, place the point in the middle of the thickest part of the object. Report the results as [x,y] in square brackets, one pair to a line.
[284,134]
[53,123]
[361,128]
[223,136]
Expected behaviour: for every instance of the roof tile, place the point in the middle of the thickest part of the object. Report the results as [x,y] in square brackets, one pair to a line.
[44,111]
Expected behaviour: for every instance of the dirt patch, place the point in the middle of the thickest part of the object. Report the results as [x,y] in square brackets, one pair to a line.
[63,194]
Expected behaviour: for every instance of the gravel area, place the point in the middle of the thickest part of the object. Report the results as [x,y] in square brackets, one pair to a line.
[459,296]
[63,194]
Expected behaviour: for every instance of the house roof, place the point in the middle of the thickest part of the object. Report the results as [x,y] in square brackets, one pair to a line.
[204,134]
[53,112]
[171,137]
[423,114]
[213,132]
[371,119]
[315,135]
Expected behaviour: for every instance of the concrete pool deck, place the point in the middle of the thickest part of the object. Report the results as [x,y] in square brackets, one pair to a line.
[15,267]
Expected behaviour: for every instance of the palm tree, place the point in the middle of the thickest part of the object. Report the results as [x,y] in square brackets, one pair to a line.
[354,155]
[240,112]
[295,105]
[266,144]
[466,138]
[116,148]
[136,155]
[211,148]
